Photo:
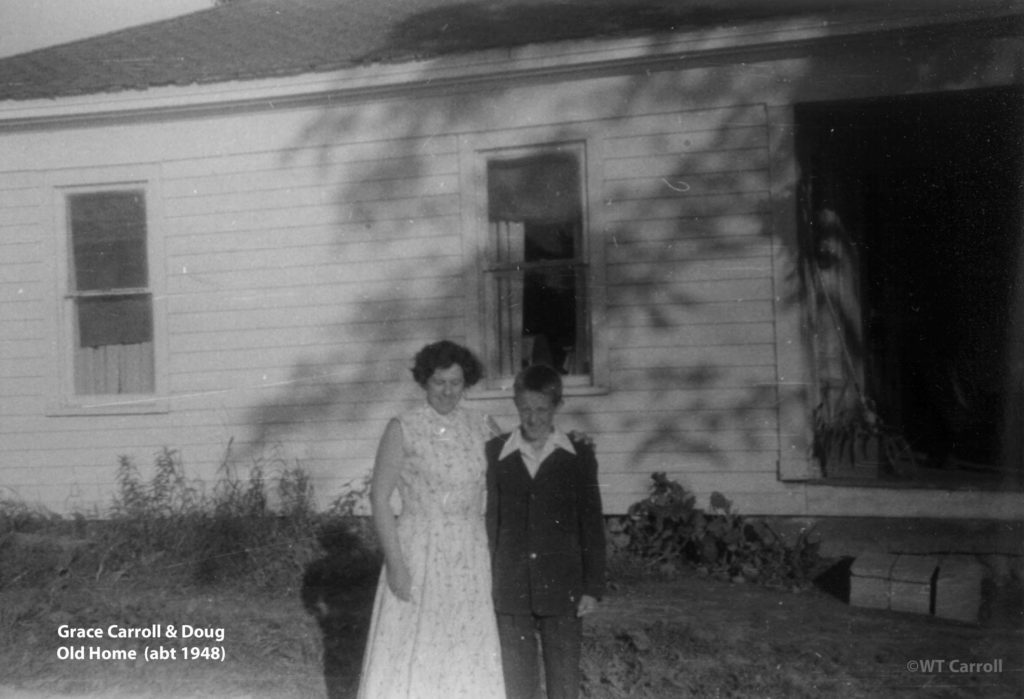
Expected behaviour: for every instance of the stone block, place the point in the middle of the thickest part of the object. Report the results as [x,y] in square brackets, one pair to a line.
[870,580]
[912,581]
[958,588]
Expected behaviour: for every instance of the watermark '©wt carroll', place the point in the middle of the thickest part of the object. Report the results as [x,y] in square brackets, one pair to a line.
[955,666]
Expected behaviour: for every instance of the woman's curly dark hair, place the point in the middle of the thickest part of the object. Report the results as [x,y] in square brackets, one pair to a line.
[443,354]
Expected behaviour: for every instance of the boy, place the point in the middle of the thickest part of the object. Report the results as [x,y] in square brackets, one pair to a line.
[546,533]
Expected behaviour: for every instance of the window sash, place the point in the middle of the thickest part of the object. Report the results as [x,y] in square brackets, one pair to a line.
[108,240]
[112,355]
[114,369]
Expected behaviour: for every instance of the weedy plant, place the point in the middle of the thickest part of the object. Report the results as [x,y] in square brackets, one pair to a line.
[234,529]
[17,517]
[36,546]
[259,526]
[667,530]
[147,517]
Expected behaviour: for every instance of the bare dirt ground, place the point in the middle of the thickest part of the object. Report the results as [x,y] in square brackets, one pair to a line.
[689,636]
[696,637]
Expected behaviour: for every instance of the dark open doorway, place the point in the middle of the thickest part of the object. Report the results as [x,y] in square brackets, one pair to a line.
[913,218]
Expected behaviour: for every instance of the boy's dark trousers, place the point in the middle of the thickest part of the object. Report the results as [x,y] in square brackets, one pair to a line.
[560,636]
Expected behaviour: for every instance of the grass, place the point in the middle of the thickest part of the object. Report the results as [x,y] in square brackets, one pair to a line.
[291,589]
[271,644]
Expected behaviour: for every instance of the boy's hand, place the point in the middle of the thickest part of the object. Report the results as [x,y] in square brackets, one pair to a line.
[587,605]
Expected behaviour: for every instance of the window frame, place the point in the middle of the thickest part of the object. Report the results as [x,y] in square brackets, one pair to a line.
[475,151]
[64,400]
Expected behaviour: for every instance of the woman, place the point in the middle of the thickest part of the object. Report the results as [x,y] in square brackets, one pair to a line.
[433,632]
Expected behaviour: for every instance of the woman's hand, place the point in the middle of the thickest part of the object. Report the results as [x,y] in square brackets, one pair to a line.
[582,437]
[400,582]
[586,606]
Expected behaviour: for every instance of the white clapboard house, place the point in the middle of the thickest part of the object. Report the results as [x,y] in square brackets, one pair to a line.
[750,234]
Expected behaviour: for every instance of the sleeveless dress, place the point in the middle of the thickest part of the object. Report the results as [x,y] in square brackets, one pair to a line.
[444,644]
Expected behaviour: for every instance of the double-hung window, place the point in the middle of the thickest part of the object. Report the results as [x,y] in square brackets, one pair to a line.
[107,325]
[536,305]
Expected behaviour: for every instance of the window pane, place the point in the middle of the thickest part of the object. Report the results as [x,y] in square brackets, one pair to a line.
[114,320]
[114,369]
[540,319]
[540,189]
[108,239]
[114,352]
[552,311]
[550,241]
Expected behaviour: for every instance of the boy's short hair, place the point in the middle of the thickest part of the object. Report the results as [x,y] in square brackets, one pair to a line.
[539,378]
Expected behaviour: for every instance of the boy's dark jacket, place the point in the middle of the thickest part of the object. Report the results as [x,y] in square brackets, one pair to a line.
[546,533]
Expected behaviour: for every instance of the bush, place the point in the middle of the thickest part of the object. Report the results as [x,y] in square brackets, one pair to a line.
[666,530]
[17,517]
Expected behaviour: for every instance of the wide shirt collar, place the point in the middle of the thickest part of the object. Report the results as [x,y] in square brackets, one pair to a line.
[556,440]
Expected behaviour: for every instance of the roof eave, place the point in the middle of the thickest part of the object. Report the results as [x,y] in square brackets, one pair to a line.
[539,62]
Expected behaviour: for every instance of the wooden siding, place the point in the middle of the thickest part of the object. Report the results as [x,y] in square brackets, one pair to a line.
[690,312]
[306,254]
[300,279]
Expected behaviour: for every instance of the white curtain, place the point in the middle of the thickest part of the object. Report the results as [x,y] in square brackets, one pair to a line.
[509,238]
[112,369]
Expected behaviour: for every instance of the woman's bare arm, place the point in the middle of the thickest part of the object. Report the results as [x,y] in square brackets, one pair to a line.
[386,470]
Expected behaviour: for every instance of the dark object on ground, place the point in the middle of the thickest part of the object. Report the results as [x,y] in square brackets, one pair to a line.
[338,591]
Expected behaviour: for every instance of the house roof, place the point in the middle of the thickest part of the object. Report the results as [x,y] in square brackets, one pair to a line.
[252,39]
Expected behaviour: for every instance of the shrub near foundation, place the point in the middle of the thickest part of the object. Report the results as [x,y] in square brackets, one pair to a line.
[666,530]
